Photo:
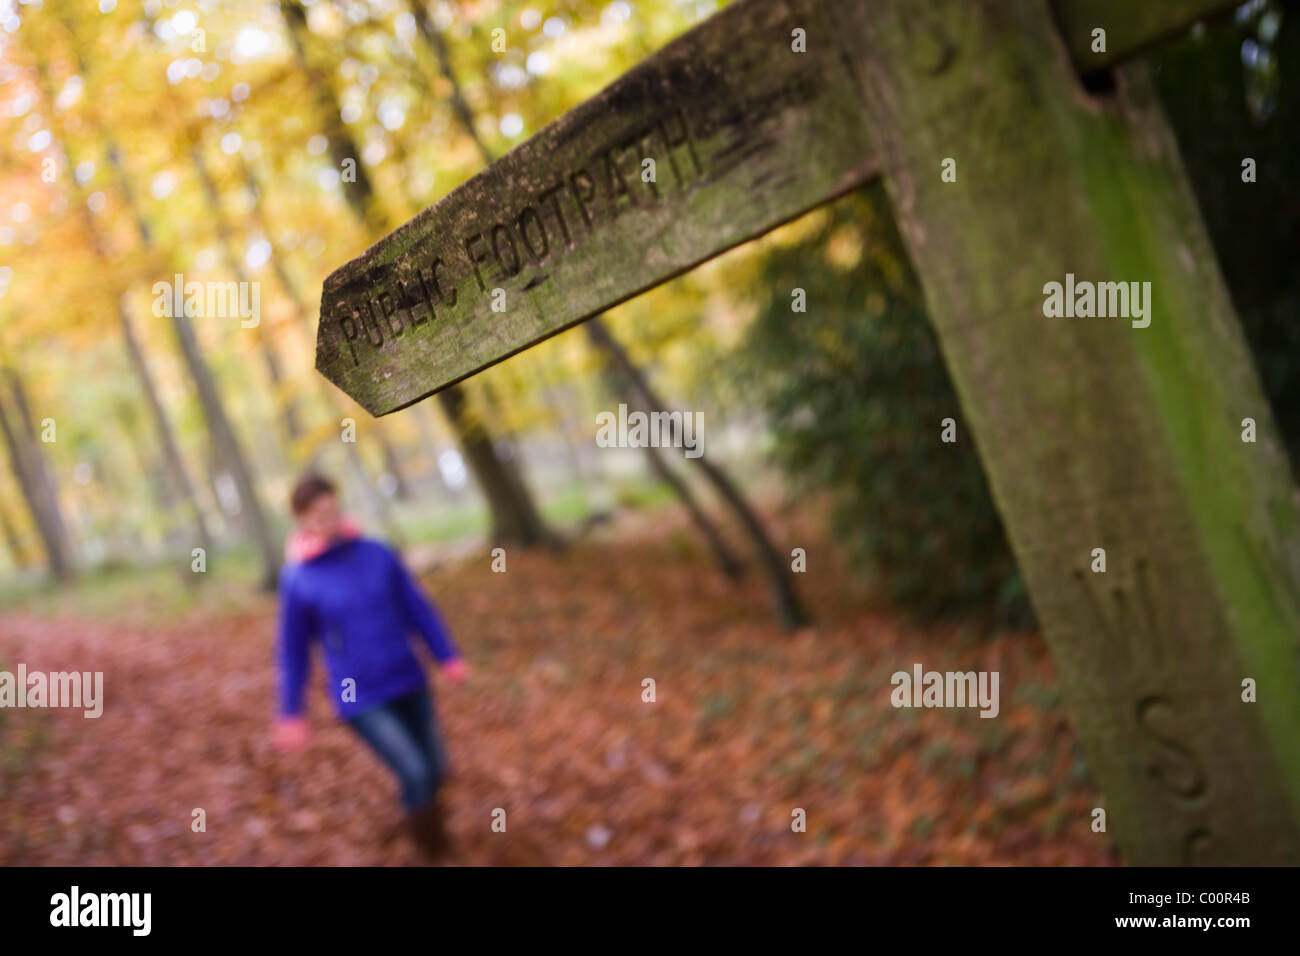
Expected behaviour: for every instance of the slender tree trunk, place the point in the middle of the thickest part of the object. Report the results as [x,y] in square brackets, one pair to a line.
[776,568]
[235,264]
[342,149]
[459,105]
[13,540]
[374,503]
[731,566]
[172,461]
[515,519]
[40,468]
[47,482]
[465,116]
[24,462]
[251,512]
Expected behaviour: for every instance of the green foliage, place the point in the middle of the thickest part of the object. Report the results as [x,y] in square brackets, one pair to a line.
[856,391]
[1233,92]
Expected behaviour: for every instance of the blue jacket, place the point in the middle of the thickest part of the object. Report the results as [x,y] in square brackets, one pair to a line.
[361,603]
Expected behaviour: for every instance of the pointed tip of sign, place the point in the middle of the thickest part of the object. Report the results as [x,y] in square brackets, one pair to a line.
[365,402]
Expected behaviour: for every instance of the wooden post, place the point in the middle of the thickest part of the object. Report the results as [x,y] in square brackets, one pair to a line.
[1105,432]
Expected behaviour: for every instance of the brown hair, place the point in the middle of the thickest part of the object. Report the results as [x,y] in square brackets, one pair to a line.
[307,489]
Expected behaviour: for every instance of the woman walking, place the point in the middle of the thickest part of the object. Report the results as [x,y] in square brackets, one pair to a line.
[356,598]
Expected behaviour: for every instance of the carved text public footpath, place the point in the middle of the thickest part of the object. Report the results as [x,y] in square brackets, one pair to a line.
[553,223]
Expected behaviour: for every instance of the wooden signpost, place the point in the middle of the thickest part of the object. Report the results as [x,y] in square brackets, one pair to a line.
[743,137]
[1095,433]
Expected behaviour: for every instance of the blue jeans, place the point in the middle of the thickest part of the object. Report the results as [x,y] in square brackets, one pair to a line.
[404,733]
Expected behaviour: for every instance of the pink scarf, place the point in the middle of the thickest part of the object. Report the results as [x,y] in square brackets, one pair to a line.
[303,546]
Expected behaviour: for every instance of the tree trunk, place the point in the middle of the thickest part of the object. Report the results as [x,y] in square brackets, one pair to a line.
[515,519]
[785,599]
[375,503]
[288,406]
[361,196]
[13,540]
[252,514]
[172,461]
[28,470]
[1099,434]
[730,565]
[47,483]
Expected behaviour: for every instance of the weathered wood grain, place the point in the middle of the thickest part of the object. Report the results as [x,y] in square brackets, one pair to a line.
[745,134]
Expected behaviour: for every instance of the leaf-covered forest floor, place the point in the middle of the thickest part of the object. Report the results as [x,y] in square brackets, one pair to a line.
[749,724]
